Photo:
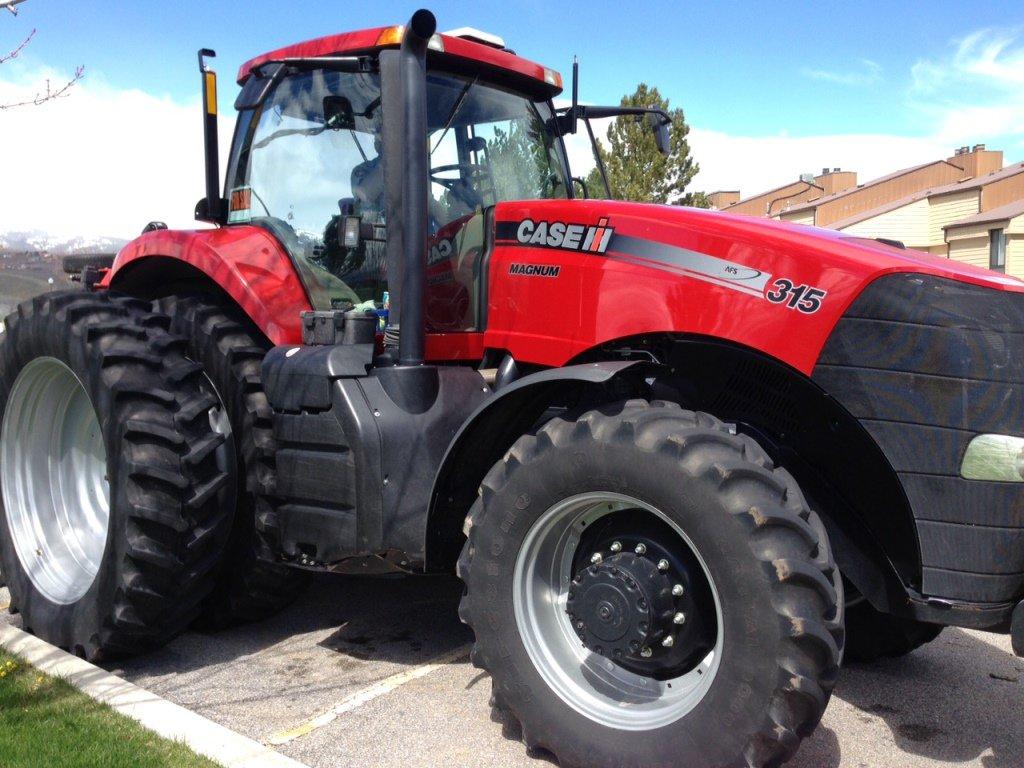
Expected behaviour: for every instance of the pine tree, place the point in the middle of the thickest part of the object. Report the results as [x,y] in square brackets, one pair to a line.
[636,169]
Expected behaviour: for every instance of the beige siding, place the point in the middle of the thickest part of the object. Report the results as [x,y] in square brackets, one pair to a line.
[947,209]
[908,224]
[1016,226]
[972,231]
[801,217]
[1015,256]
[971,250]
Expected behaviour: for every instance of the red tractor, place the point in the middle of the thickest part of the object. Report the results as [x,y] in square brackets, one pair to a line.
[680,459]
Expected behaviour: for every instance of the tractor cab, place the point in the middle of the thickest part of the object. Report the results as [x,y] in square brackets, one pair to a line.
[309,157]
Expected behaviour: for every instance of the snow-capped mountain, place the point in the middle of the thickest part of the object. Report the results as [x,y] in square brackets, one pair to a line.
[38,240]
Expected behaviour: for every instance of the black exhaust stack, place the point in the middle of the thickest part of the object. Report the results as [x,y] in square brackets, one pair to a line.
[211,208]
[406,175]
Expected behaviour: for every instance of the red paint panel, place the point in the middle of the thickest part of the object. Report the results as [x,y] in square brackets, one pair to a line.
[598,298]
[245,261]
[365,40]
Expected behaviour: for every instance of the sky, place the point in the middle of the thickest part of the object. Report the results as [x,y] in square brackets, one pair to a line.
[771,90]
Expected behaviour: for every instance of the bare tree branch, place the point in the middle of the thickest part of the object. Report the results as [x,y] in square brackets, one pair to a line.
[14,54]
[50,93]
[9,5]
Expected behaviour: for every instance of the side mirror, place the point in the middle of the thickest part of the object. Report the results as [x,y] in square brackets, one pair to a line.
[338,114]
[662,136]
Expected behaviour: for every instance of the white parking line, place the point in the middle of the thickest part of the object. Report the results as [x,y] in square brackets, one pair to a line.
[357,699]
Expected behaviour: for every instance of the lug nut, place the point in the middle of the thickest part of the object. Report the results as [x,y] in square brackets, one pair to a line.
[679,618]
[663,565]
[668,642]
[616,546]
[641,548]
[596,557]
[646,653]
[677,590]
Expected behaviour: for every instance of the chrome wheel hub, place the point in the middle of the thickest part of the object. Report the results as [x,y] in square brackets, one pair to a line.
[53,471]
[618,611]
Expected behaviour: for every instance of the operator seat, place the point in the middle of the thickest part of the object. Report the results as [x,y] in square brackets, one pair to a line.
[368,187]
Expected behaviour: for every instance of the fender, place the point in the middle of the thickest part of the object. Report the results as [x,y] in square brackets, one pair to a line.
[246,262]
[486,435]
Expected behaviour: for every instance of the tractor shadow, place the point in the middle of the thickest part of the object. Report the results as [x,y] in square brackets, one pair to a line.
[957,700]
[341,630]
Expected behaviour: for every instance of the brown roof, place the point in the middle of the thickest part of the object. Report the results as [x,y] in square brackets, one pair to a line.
[808,184]
[1002,213]
[975,182]
[865,185]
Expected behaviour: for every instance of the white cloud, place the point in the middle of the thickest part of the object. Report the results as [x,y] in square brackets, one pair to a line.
[977,92]
[100,162]
[758,163]
[867,73]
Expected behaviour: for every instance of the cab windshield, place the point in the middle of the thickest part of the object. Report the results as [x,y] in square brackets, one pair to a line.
[310,154]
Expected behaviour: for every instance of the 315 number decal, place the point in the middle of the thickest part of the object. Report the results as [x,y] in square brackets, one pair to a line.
[802,298]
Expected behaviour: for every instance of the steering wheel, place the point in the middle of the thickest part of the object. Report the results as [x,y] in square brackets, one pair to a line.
[463,186]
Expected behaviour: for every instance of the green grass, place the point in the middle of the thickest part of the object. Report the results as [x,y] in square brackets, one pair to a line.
[46,722]
[18,286]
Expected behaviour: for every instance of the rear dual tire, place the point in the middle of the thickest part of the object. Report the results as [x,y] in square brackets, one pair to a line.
[249,585]
[764,552]
[116,489]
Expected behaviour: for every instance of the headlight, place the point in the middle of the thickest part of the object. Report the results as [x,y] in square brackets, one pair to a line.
[994,457]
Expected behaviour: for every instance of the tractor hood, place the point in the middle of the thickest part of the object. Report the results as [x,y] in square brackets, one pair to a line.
[745,239]
[640,269]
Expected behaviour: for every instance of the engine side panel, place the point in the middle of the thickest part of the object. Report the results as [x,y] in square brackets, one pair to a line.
[247,262]
[566,276]
[925,364]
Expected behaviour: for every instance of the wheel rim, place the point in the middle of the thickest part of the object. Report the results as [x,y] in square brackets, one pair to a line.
[593,684]
[53,466]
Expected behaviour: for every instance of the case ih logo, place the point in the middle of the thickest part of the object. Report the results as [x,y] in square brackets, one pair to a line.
[571,237]
[534,270]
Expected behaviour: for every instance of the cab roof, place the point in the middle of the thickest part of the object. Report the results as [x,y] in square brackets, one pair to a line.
[379,38]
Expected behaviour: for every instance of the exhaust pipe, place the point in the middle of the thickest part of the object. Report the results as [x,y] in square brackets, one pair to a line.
[407,181]
[211,207]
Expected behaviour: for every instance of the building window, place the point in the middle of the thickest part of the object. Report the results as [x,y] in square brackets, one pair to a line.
[997,250]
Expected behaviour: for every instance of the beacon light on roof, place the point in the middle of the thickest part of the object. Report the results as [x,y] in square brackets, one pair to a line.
[393,36]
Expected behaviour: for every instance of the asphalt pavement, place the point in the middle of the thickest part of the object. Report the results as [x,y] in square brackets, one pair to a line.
[364,672]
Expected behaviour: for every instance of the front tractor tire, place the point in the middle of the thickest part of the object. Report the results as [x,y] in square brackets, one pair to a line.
[646,588]
[114,481]
[249,586]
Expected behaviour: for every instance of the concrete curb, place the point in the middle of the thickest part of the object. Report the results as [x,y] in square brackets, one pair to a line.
[169,720]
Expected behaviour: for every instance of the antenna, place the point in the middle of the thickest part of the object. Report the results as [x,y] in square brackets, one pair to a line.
[575,93]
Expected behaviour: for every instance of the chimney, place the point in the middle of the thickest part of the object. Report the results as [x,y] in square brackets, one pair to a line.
[977,161]
[835,180]
[724,198]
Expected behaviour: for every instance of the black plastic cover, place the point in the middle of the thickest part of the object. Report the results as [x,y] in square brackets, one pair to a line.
[925,364]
